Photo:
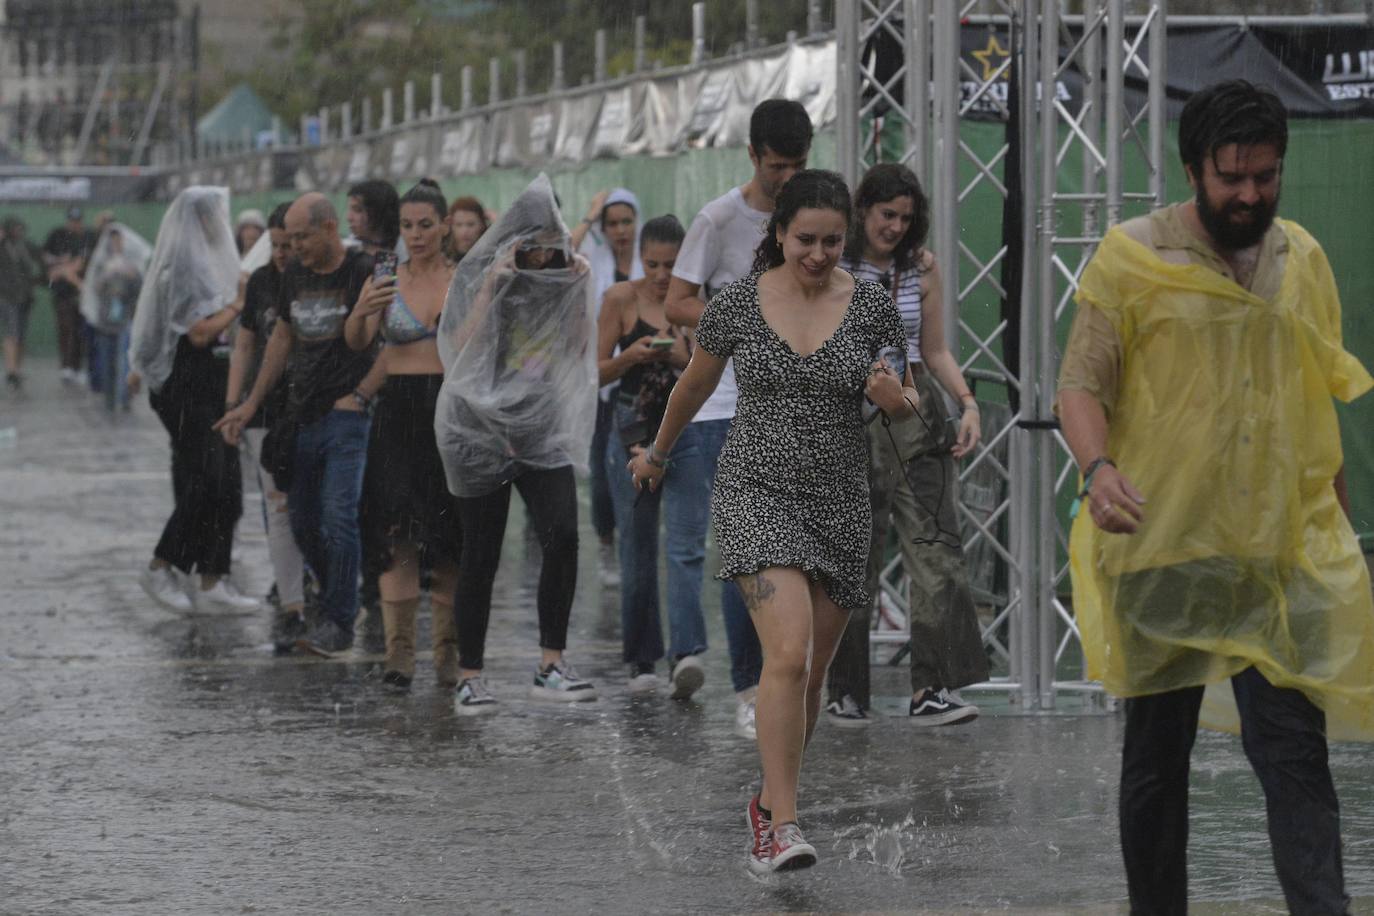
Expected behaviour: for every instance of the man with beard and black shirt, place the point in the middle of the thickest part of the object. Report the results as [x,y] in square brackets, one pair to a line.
[327,413]
[65,251]
[1201,372]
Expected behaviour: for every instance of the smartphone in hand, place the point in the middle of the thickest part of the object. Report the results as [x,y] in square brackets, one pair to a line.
[384,268]
[662,343]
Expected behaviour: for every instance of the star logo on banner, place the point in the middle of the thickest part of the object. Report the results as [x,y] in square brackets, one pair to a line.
[991,57]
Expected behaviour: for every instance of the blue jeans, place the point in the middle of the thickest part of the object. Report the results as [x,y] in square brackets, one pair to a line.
[687,516]
[326,486]
[637,516]
[605,516]
[109,366]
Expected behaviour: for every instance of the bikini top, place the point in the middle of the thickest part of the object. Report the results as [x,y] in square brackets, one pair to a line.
[400,326]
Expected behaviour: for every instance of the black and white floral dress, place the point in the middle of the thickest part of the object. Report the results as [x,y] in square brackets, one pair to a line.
[792,485]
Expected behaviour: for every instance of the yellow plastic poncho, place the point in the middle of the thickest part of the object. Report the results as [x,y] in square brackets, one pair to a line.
[1225,422]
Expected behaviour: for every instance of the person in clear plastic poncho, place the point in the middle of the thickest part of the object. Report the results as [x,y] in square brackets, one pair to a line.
[517,409]
[1211,550]
[109,292]
[190,297]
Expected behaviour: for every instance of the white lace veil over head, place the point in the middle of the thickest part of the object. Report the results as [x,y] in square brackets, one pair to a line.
[194,273]
[116,266]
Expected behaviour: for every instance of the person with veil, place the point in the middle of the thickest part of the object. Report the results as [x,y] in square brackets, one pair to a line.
[410,522]
[190,296]
[517,411]
[108,296]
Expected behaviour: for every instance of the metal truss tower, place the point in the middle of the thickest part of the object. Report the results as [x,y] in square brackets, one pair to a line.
[1079,162]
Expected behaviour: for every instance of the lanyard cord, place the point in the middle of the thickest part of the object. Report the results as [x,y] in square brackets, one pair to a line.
[956,543]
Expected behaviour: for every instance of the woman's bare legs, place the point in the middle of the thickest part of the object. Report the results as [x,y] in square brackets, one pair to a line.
[800,628]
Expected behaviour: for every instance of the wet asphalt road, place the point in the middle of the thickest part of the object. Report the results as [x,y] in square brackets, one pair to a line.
[152,762]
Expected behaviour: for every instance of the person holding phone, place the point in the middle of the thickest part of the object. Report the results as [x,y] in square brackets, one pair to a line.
[651,354]
[790,503]
[411,519]
[913,480]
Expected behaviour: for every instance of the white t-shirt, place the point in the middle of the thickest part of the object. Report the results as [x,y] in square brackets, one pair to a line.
[719,249]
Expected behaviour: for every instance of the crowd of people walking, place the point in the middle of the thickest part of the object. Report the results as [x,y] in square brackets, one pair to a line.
[776,373]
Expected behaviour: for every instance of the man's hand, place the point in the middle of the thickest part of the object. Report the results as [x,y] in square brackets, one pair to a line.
[1115,502]
[231,425]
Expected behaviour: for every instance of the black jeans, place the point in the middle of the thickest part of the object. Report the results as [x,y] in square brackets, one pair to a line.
[206,487]
[1284,736]
[551,496]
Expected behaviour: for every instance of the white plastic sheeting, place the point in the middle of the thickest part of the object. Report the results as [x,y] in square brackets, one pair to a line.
[518,343]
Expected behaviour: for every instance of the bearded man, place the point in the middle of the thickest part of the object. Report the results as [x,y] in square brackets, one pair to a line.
[1196,395]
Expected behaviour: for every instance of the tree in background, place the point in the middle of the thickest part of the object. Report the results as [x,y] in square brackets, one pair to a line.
[332,51]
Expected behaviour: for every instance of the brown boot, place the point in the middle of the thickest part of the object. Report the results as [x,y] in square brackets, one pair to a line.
[445,633]
[399,619]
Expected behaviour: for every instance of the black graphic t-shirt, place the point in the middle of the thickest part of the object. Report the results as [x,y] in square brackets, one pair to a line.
[260,303]
[323,368]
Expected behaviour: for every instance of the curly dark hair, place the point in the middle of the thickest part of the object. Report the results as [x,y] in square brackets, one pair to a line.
[809,189]
[888,181]
[383,208]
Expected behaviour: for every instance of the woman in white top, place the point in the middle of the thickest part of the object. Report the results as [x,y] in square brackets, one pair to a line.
[912,474]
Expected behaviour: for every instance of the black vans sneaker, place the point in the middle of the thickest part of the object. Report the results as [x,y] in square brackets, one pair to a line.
[940,708]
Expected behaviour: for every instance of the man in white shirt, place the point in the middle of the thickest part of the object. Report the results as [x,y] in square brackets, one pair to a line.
[718,250]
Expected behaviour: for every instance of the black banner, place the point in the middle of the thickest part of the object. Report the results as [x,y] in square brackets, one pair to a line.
[1318,70]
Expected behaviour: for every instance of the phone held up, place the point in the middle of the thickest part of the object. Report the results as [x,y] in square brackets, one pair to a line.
[384,268]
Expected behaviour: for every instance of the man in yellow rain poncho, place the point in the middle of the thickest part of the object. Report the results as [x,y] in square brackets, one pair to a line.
[1196,394]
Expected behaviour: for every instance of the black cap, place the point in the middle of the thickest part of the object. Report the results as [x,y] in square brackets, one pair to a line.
[73,213]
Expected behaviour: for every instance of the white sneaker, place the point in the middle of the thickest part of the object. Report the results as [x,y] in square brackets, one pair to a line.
[608,565]
[224,596]
[641,682]
[687,677]
[744,721]
[162,586]
[473,699]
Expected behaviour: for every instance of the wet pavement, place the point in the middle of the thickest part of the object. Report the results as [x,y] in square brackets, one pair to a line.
[152,762]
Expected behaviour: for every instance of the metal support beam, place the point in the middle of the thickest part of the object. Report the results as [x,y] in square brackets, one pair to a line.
[698,32]
[847,126]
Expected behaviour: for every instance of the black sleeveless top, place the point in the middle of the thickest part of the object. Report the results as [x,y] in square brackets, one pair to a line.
[630,382]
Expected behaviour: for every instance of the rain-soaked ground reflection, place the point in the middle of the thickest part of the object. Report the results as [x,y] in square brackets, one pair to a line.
[159,763]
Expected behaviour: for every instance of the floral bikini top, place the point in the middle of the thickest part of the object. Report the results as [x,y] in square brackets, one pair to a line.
[400,326]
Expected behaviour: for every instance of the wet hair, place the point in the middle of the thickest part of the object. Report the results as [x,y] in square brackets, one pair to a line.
[884,182]
[1232,111]
[426,191]
[666,229]
[809,189]
[277,219]
[780,126]
[383,208]
[471,205]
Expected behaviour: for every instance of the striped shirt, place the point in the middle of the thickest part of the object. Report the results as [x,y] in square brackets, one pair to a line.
[907,295]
